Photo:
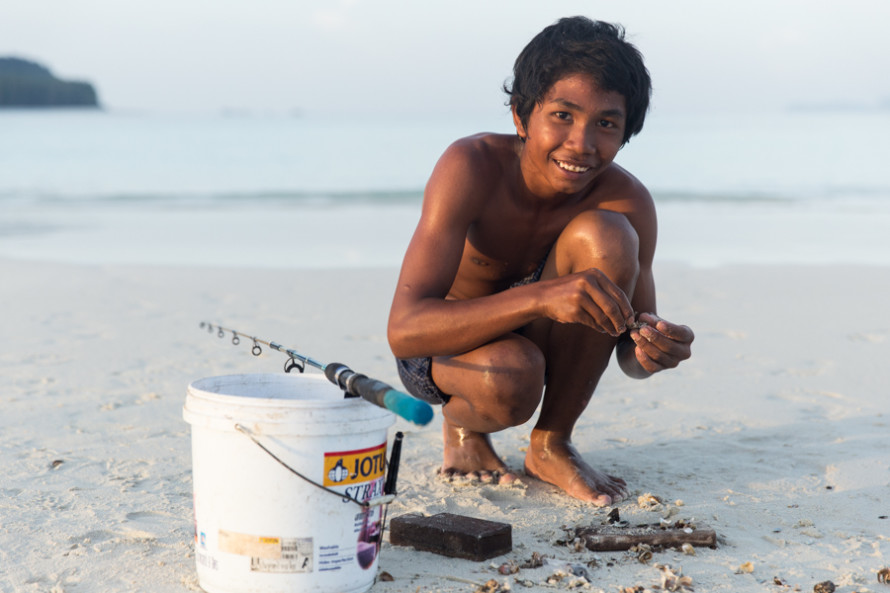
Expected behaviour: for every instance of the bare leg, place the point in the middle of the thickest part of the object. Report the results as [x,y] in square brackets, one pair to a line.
[577,356]
[493,387]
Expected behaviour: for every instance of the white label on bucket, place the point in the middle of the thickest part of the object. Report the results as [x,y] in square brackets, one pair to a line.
[296,556]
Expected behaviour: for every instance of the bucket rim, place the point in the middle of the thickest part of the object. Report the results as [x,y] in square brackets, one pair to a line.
[199,391]
[267,415]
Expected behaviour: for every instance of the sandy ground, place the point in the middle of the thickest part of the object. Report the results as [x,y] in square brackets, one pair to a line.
[774,434]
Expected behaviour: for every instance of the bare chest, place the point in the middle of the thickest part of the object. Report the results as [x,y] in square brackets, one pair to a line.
[504,246]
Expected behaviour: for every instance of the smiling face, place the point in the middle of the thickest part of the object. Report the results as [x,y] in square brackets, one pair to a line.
[571,136]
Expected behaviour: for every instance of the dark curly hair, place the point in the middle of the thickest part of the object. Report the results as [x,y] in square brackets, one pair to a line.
[576,45]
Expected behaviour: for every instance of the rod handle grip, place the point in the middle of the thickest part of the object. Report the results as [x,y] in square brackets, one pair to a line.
[379,393]
[409,408]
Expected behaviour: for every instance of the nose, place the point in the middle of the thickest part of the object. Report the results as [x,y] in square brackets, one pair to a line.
[582,139]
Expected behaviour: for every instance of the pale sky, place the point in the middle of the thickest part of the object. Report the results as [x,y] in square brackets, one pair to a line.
[368,57]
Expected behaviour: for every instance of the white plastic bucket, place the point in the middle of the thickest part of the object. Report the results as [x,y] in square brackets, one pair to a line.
[258,526]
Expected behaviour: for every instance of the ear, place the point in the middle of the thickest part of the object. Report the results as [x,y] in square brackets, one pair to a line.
[520,129]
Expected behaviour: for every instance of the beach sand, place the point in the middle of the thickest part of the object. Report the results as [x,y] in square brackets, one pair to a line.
[774,434]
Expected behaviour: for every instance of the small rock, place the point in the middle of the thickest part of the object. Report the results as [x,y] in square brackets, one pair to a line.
[671,581]
[579,571]
[648,500]
[643,552]
[492,586]
[824,587]
[536,561]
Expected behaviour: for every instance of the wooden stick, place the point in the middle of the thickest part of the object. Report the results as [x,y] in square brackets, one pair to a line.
[606,538]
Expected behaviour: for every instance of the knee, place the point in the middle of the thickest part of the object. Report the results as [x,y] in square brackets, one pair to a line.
[513,382]
[600,239]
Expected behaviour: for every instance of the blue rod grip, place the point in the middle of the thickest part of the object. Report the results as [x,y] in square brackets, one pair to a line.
[379,393]
[409,408]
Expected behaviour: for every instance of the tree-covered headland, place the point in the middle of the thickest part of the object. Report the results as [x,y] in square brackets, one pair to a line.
[27,84]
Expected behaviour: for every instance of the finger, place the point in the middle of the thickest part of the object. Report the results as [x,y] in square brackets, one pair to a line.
[626,310]
[591,314]
[646,361]
[649,318]
[612,301]
[664,351]
[600,309]
[676,348]
[678,333]
[603,316]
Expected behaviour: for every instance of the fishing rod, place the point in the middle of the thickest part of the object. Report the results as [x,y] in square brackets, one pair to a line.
[353,384]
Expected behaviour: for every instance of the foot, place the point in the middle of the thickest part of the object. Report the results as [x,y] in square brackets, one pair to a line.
[553,459]
[470,454]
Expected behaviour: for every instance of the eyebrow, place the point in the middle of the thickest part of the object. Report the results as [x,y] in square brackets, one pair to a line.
[607,113]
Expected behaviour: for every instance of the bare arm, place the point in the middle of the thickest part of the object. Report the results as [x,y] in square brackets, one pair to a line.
[422,322]
[660,344]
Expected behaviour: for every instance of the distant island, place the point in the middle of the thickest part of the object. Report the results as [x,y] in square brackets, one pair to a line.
[28,84]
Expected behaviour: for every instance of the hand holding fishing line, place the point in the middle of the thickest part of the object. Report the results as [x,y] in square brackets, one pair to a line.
[353,384]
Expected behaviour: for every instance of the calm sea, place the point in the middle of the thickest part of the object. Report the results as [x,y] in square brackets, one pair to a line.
[279,191]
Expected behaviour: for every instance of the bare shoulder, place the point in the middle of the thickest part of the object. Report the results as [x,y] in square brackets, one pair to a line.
[622,192]
[484,157]
[470,169]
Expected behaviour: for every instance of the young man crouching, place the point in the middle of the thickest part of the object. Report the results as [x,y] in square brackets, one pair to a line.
[532,254]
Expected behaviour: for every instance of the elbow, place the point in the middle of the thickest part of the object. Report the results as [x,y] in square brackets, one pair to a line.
[405,341]
[398,341]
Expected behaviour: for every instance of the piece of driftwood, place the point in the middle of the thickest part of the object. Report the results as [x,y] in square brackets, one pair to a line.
[607,538]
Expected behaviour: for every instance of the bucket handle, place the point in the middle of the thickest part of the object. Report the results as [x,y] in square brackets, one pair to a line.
[385,499]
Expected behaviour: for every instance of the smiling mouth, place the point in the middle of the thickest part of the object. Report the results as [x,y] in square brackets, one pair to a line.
[572,168]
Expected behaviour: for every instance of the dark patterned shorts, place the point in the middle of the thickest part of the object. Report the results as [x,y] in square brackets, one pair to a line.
[417,373]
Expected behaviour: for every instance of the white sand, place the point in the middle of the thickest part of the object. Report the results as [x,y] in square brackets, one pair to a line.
[774,434]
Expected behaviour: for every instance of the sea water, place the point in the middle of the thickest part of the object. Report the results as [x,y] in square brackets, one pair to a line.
[303,191]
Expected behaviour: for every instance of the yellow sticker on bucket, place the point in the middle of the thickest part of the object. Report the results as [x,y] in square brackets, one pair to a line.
[249,545]
[342,468]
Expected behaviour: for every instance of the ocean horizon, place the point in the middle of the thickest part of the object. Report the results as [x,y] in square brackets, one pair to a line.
[282,191]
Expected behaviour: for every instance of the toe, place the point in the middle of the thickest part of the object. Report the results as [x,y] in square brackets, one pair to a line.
[508,478]
[603,500]
[487,477]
